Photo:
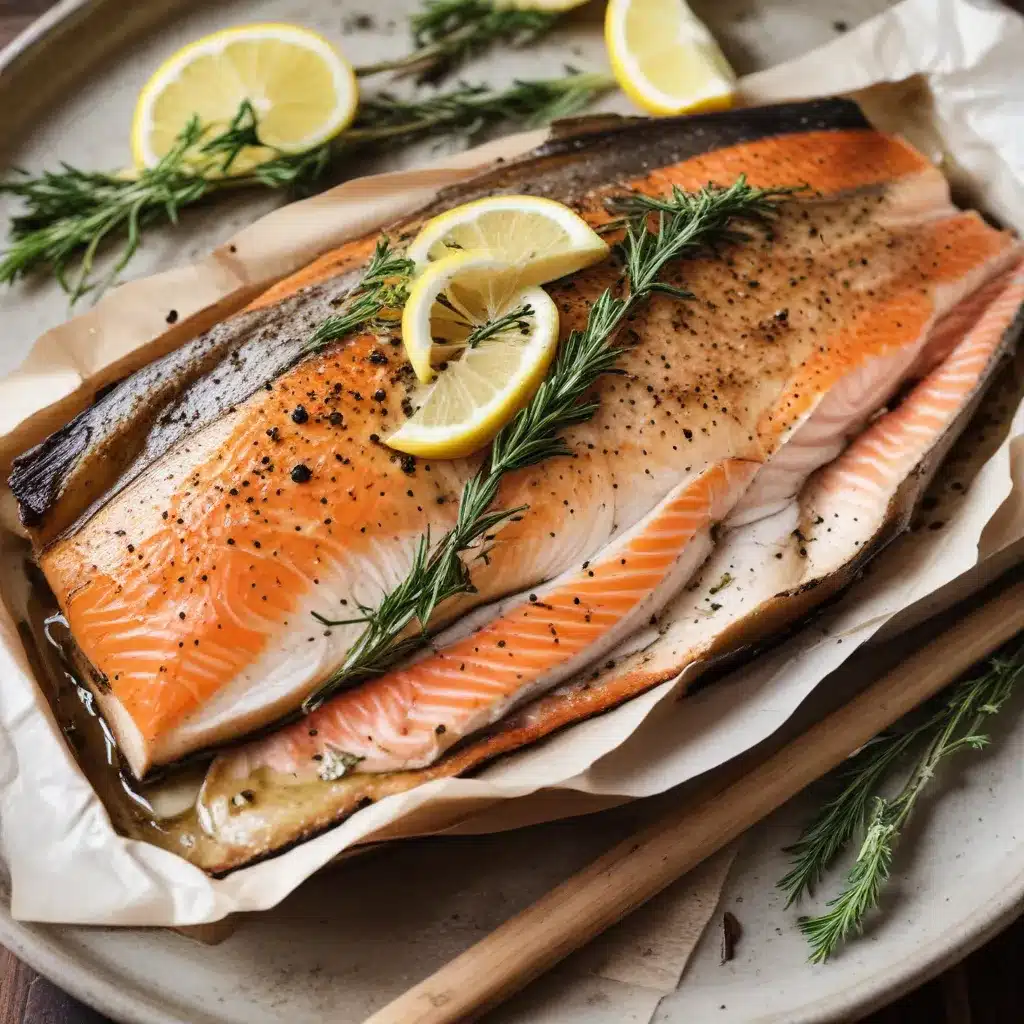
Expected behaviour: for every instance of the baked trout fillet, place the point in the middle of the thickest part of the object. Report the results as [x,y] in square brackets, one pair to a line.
[194,519]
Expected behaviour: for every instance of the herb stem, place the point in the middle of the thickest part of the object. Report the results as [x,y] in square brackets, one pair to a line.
[70,214]
[515,319]
[448,32]
[383,286]
[469,109]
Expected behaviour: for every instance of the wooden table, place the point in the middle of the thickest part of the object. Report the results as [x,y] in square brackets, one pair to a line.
[986,988]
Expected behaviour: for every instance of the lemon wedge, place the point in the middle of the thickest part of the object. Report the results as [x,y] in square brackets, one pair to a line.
[493,340]
[665,58]
[542,239]
[302,90]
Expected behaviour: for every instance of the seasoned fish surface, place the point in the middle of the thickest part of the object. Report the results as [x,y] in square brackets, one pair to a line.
[190,584]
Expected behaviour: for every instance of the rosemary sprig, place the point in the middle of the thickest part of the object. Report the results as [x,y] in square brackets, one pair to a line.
[517,319]
[384,286]
[955,723]
[447,32]
[469,109]
[71,214]
[846,814]
[438,572]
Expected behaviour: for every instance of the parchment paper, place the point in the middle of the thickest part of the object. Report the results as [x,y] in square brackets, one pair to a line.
[65,861]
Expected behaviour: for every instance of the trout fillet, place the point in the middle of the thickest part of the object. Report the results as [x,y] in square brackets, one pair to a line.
[189,555]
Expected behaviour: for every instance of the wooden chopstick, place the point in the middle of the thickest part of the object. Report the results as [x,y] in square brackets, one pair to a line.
[641,866]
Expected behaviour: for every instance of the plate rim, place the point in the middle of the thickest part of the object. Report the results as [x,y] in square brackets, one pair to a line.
[100,990]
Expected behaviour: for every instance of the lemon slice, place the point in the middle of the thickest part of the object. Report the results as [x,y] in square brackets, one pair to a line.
[302,90]
[665,58]
[481,384]
[542,239]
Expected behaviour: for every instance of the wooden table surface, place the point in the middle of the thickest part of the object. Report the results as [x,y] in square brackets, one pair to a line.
[986,988]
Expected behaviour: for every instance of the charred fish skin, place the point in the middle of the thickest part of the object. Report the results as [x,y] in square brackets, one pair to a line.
[287,504]
[570,165]
[63,479]
[60,481]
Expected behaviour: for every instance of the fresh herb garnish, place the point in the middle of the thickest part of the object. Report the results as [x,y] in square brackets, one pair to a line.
[384,286]
[469,109]
[71,214]
[336,764]
[447,32]
[517,319]
[954,722]
[689,223]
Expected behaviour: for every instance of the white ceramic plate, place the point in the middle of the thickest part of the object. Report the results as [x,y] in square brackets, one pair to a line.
[70,87]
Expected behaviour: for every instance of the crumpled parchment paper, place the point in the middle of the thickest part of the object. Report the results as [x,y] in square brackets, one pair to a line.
[67,864]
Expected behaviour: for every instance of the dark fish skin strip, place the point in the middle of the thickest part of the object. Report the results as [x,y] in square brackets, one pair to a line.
[602,151]
[63,480]
[79,467]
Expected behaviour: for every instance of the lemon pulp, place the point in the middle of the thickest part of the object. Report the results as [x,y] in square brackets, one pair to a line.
[542,239]
[480,379]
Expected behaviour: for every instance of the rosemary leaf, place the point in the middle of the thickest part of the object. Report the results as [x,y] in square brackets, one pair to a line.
[517,319]
[384,286]
[951,723]
[70,214]
[448,32]
[864,885]
[468,110]
[439,572]
[846,814]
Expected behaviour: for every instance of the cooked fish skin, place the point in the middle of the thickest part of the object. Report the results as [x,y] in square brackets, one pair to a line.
[190,590]
[930,418]
[73,472]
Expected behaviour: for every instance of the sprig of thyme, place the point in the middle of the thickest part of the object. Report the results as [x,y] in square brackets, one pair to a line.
[70,215]
[439,572]
[446,33]
[955,722]
[383,286]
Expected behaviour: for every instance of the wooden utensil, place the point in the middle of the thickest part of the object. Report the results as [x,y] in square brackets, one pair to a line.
[641,866]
